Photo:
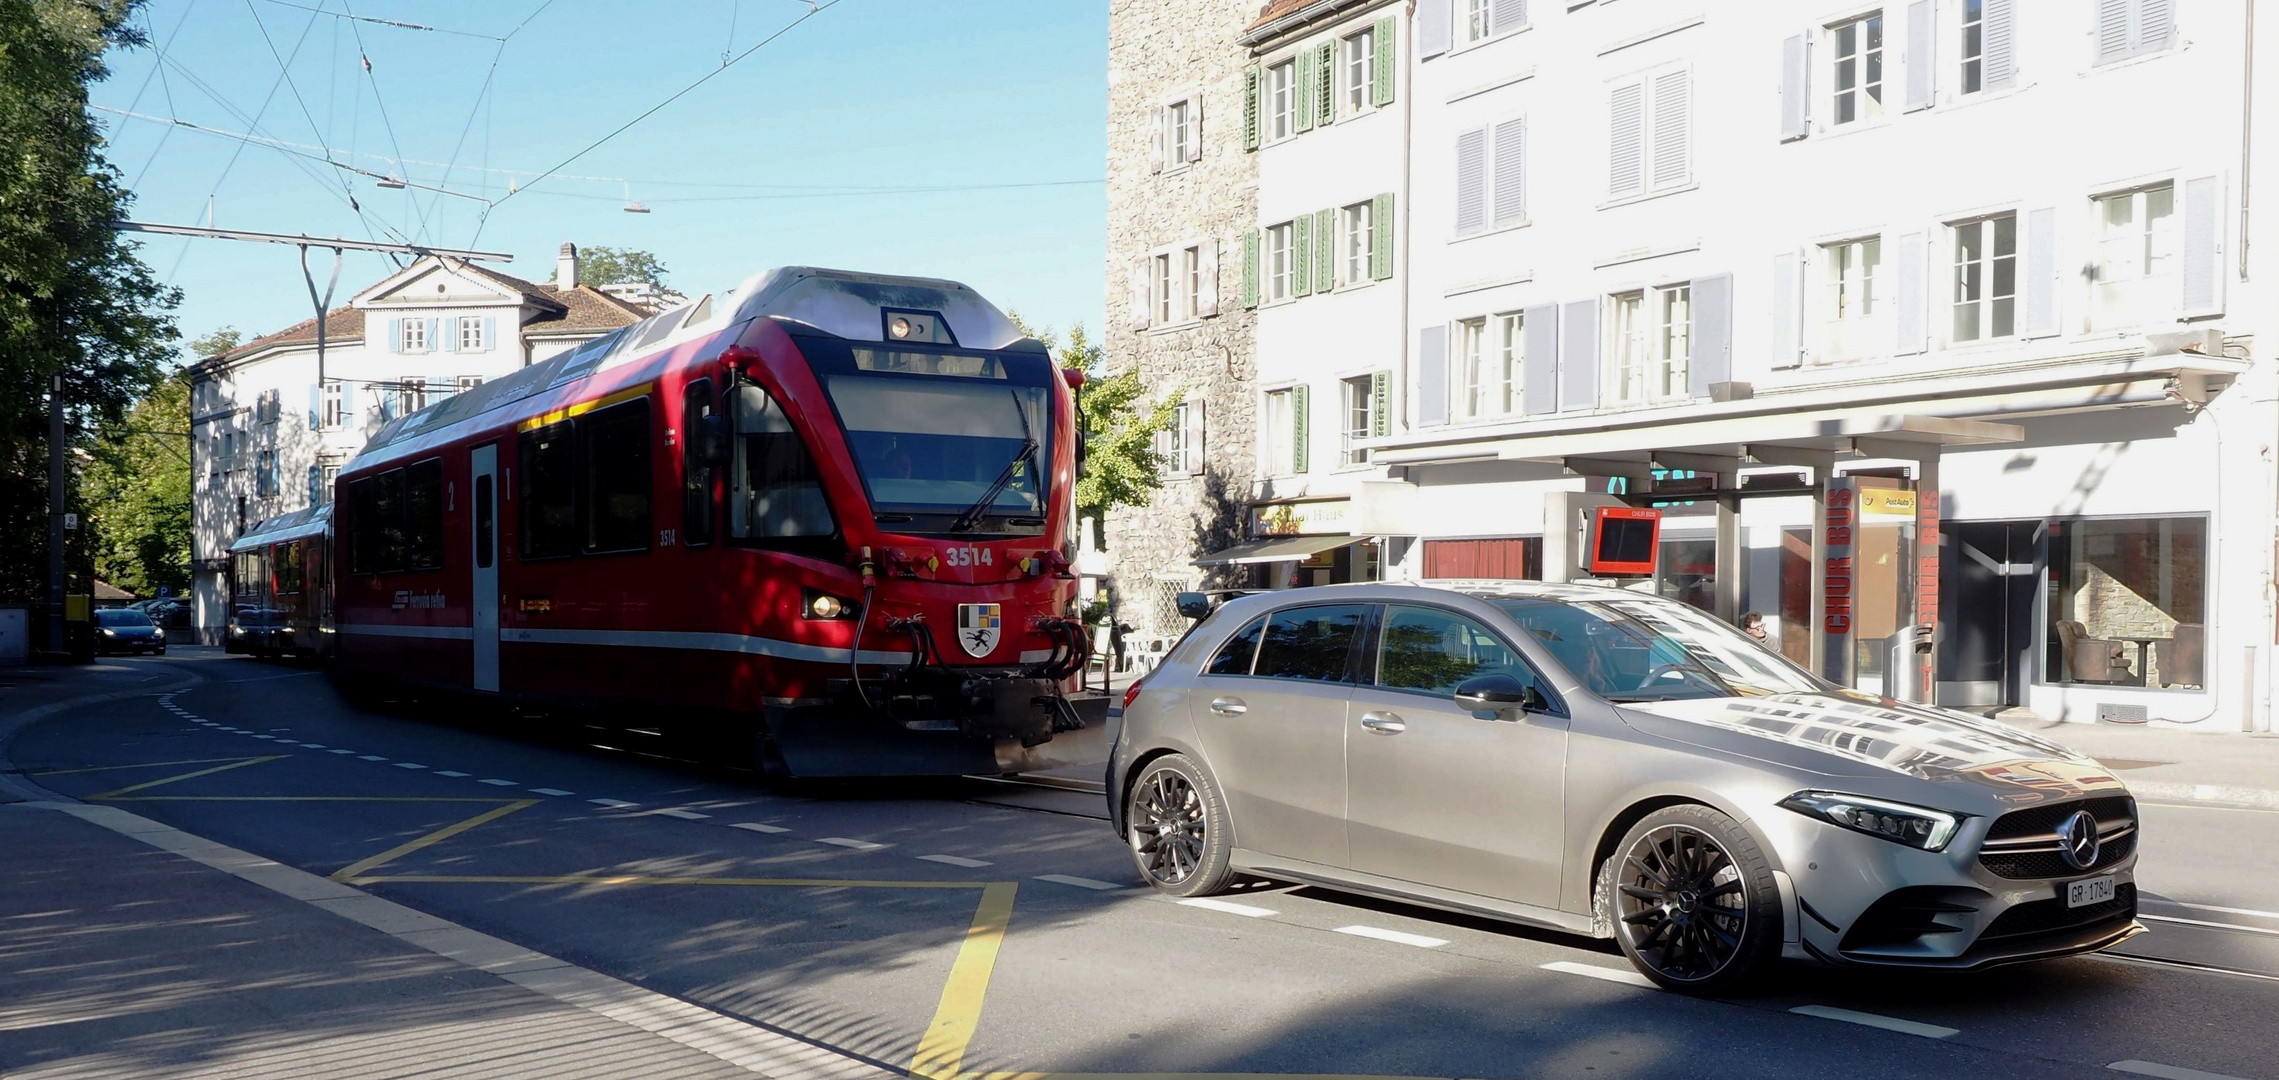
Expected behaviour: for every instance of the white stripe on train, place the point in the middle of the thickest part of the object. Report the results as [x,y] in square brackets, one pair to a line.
[656,639]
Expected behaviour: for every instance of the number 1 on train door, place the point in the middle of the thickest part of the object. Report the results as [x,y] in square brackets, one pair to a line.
[484,462]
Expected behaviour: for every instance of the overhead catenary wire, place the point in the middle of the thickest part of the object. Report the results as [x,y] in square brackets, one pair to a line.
[395,23]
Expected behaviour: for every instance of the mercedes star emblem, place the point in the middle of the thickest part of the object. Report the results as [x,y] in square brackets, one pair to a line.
[2077,837]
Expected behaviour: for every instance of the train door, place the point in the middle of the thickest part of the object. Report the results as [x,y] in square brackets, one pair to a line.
[485,467]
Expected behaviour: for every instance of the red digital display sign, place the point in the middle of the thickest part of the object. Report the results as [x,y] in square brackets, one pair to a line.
[1623,541]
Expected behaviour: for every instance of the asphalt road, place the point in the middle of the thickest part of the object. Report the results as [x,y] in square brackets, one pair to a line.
[856,917]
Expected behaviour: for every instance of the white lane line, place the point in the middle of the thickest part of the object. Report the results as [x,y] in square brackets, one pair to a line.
[2249,912]
[314,745]
[954,860]
[2204,922]
[272,738]
[614,804]
[675,812]
[754,826]
[1887,1023]
[841,841]
[1208,904]
[337,751]
[409,765]
[1394,936]
[287,742]
[1593,971]
[450,772]
[495,782]
[370,757]
[2165,1072]
[1079,882]
[552,791]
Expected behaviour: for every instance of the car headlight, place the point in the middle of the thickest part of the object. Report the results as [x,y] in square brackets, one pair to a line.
[1914,826]
[159,632]
[108,633]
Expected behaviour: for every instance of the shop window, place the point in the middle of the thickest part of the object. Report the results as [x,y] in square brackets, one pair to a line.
[2128,602]
[1516,558]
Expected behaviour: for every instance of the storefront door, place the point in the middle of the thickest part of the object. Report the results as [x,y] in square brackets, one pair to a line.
[1989,571]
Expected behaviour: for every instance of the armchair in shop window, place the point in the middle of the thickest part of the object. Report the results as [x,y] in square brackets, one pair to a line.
[2182,657]
[2093,660]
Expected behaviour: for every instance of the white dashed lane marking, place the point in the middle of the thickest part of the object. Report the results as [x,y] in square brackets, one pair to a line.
[754,826]
[1593,971]
[955,860]
[1208,904]
[552,791]
[494,782]
[1887,1023]
[677,812]
[841,841]
[370,757]
[409,765]
[342,751]
[1080,882]
[614,804]
[1395,936]
[2165,1072]
[451,772]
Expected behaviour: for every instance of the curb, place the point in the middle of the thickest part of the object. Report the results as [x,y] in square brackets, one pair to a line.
[2238,798]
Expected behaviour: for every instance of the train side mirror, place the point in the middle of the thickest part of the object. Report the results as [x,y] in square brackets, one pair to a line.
[712,439]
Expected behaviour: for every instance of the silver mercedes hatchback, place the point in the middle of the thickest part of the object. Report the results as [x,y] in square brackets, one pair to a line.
[1613,764]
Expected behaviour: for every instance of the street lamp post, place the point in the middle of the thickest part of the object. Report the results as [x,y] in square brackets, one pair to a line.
[55,505]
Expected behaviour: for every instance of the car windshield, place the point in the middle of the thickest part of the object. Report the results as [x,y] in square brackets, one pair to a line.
[1628,649]
[121,617]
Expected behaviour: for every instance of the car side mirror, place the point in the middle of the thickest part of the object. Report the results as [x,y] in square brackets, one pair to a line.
[1487,696]
[712,439]
[1193,605]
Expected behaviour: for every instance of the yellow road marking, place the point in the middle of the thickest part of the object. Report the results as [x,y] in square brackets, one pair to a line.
[242,763]
[144,765]
[942,1049]
[436,837]
[640,879]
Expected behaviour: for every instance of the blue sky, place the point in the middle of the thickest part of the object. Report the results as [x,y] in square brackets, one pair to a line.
[764,165]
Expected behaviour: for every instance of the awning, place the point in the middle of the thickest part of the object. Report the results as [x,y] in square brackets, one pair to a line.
[1279,549]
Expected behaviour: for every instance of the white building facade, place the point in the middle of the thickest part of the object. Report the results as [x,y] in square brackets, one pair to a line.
[268,434]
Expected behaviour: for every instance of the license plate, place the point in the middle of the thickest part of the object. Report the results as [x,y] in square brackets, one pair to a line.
[2088,891]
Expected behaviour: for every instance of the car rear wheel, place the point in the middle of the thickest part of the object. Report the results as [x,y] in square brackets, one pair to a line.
[1692,901]
[1176,822]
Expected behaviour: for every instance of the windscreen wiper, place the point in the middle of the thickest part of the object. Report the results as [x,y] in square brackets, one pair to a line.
[972,516]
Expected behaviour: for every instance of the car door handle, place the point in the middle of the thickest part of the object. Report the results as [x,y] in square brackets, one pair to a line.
[1383,723]
[1229,706]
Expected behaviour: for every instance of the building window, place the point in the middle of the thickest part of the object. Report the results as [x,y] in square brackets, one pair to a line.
[1171,449]
[1649,344]
[2128,602]
[1973,46]
[1985,298]
[334,411]
[266,407]
[1673,340]
[1626,347]
[1165,309]
[1650,133]
[1191,269]
[1279,455]
[1360,420]
[469,382]
[1357,242]
[265,473]
[1511,354]
[1477,26]
[414,332]
[327,476]
[471,334]
[1857,48]
[1179,133]
[1282,100]
[1848,303]
[1471,396]
[1360,71]
[1281,264]
[2135,270]
[411,396]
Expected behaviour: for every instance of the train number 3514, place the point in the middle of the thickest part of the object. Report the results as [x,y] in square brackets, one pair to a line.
[966,556]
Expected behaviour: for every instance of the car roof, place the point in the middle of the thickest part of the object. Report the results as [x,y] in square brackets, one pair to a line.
[1379,592]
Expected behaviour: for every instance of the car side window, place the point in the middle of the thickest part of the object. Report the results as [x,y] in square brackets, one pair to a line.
[1235,656]
[1432,650]
[1310,643]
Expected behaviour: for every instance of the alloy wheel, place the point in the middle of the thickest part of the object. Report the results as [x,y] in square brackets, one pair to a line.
[1681,903]
[1168,826]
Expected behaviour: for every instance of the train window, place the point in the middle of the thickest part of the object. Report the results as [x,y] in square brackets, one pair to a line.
[778,494]
[696,473]
[548,493]
[248,573]
[286,558]
[423,515]
[486,523]
[613,452]
[387,518]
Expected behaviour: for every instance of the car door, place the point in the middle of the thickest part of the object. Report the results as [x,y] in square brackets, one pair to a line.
[1437,795]
[1270,710]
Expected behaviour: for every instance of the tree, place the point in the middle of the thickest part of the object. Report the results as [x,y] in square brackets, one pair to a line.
[74,299]
[1121,466]
[598,266]
[137,492]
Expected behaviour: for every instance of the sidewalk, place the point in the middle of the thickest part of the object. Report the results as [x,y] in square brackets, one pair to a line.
[2227,767]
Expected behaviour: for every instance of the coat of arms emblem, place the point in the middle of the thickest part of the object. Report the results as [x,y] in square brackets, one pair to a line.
[978,628]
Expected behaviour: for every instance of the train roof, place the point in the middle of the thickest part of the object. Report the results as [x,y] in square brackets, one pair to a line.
[299,525]
[841,303]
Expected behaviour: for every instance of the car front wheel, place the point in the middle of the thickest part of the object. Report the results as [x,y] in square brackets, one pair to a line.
[1176,822]
[1693,901]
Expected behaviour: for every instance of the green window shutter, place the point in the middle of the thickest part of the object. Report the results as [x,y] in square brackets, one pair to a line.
[1302,95]
[1299,435]
[1325,250]
[1381,237]
[1382,92]
[1380,404]
[1250,108]
[1302,255]
[1325,83]
[1250,269]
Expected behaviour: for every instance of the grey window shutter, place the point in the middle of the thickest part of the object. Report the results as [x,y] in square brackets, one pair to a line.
[1432,375]
[1626,140]
[1922,59]
[1381,81]
[1673,128]
[1471,181]
[1506,15]
[2113,37]
[1795,87]
[2156,25]
[1511,172]
[1195,128]
[490,332]
[1325,81]
[1250,269]
[1302,95]
[1787,349]
[1380,404]
[1712,335]
[2203,243]
[1250,108]
[434,327]
[395,335]
[1578,354]
[1302,255]
[1141,310]
[450,336]
[1908,320]
[1998,30]
[1301,429]
[1156,138]
[1325,250]
[316,406]
[1381,237]
[2041,281]
[1435,27]
[1539,359]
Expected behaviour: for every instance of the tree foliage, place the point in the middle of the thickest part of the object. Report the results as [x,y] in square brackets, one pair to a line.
[598,266]
[137,490]
[1121,466]
[74,299]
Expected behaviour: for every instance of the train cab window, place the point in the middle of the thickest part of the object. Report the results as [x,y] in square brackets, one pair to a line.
[696,472]
[614,466]
[548,495]
[423,515]
[777,494]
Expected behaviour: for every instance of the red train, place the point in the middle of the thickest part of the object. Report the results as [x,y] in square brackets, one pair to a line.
[833,508]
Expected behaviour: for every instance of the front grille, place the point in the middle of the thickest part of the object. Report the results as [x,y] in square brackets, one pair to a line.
[2036,917]
[2116,819]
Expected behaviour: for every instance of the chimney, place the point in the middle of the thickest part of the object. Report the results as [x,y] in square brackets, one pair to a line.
[566,270]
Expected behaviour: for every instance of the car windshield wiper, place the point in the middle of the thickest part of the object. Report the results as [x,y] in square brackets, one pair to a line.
[972,516]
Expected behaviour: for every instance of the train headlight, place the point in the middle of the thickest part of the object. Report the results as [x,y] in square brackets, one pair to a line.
[820,605]
[900,328]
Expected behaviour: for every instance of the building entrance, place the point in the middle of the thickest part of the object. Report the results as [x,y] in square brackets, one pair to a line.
[1987,610]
